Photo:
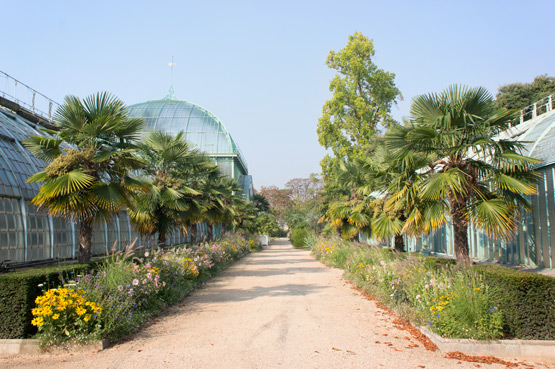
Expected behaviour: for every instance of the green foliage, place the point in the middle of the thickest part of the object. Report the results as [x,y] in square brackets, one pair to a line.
[526,300]
[455,302]
[298,237]
[266,223]
[484,302]
[485,188]
[18,292]
[89,180]
[520,95]
[362,98]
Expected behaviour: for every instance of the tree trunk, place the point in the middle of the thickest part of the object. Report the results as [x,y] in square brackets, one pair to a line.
[85,241]
[460,234]
[193,234]
[224,228]
[210,232]
[161,239]
[399,243]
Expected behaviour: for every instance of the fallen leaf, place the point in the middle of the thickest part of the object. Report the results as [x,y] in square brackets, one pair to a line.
[335,349]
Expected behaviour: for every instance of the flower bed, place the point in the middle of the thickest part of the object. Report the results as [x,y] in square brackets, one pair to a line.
[128,289]
[453,302]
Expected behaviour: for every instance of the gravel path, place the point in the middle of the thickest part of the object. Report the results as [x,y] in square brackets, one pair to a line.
[279,308]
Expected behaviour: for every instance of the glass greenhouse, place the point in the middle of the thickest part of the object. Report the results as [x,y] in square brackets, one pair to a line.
[201,128]
[27,235]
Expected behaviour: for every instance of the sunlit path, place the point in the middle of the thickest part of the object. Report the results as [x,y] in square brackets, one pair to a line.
[275,309]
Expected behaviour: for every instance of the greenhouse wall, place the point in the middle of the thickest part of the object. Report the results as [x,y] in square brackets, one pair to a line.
[532,245]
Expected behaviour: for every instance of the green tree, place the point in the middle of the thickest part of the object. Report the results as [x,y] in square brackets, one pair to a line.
[473,176]
[218,194]
[261,203]
[520,95]
[89,160]
[362,98]
[171,168]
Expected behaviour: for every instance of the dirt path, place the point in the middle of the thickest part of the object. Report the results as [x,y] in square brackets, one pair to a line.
[279,308]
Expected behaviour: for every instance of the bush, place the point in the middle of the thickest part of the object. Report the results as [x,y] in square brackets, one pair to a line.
[454,302]
[66,315]
[298,237]
[18,292]
[527,301]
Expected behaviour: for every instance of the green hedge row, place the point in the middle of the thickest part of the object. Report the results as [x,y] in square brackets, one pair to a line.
[527,301]
[18,292]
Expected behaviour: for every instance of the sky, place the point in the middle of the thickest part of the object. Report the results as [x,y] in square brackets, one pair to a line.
[259,66]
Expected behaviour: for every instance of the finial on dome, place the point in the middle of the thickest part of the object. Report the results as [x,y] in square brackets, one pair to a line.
[171,95]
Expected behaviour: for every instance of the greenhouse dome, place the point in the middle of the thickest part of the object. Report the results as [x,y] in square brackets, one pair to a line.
[202,128]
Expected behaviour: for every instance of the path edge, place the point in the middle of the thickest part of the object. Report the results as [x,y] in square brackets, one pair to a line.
[520,349]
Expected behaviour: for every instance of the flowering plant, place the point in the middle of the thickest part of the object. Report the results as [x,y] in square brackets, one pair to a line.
[65,313]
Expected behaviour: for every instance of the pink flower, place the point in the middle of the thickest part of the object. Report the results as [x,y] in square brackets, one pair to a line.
[135,282]
[417,297]
[149,266]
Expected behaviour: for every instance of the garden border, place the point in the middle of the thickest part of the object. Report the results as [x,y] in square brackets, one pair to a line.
[17,346]
[520,349]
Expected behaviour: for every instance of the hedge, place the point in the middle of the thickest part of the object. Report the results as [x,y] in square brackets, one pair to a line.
[18,292]
[527,301]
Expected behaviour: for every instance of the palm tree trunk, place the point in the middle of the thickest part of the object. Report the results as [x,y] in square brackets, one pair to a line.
[460,234]
[193,233]
[85,241]
[210,232]
[161,239]
[224,228]
[399,243]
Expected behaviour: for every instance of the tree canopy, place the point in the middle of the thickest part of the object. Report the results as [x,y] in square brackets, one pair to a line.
[361,103]
[520,95]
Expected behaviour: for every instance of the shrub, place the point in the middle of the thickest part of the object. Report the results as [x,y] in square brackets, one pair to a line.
[527,301]
[298,237]
[18,292]
[455,302]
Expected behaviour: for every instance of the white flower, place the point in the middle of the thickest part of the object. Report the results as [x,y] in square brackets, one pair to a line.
[146,254]
[417,297]
[382,263]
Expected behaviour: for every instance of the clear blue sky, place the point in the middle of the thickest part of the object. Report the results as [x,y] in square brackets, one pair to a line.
[260,66]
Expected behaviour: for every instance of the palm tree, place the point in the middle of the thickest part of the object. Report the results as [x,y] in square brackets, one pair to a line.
[171,168]
[89,161]
[219,192]
[475,177]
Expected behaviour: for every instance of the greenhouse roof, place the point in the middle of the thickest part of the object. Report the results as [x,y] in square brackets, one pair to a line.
[538,137]
[16,163]
[201,127]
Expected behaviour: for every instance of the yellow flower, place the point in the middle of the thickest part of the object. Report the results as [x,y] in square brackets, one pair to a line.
[55,316]
[46,310]
[440,308]
[477,289]
[432,308]
[87,317]
[37,321]
[80,311]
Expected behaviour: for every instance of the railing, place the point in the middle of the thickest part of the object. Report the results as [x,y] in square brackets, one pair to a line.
[27,97]
[538,108]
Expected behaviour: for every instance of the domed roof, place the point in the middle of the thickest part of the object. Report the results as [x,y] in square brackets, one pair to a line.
[201,127]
